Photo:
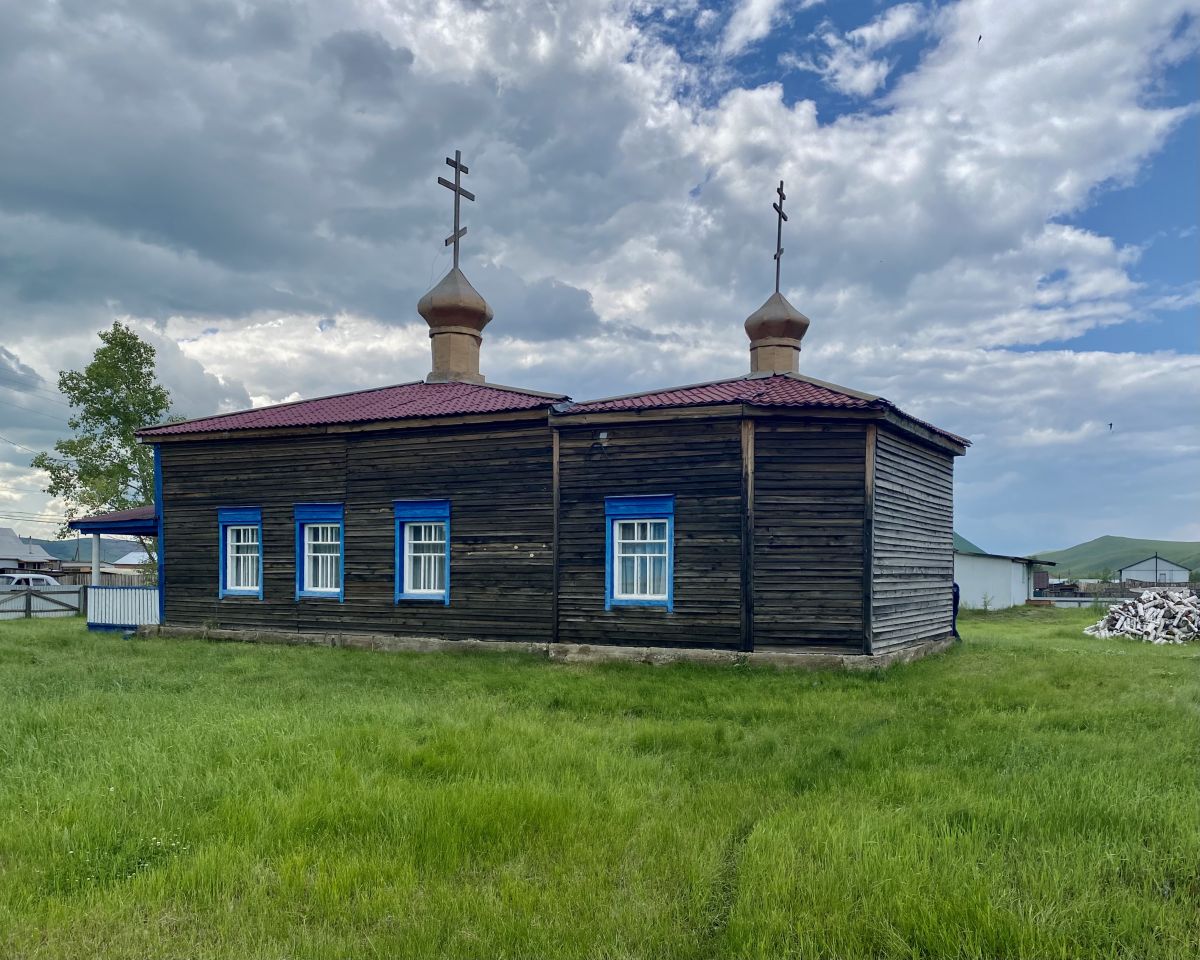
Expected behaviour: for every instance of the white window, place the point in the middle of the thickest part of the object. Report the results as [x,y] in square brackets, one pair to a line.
[242,555]
[425,558]
[640,559]
[323,558]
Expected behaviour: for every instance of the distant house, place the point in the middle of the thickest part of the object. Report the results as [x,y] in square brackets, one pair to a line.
[1154,569]
[134,559]
[992,580]
[16,554]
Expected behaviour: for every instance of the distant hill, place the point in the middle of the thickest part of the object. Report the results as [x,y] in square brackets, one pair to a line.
[1111,553]
[963,545]
[81,549]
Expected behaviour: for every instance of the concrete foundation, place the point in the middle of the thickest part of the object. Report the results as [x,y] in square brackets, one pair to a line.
[564,652]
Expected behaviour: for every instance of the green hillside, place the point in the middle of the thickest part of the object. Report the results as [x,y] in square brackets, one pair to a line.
[81,548]
[1111,553]
[963,545]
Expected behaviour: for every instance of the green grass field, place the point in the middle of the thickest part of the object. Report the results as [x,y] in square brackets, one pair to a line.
[1033,793]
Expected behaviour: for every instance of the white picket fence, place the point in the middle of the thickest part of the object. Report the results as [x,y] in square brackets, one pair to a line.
[111,608]
[22,603]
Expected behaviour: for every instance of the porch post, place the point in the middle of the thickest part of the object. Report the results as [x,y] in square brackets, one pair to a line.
[95,559]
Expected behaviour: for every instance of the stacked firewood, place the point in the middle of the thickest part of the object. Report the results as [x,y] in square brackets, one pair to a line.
[1157,616]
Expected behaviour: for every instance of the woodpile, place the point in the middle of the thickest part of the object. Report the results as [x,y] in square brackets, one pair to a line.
[1157,616]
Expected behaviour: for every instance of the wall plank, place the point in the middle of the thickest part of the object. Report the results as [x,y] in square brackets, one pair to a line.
[698,462]
[913,542]
[497,478]
[809,496]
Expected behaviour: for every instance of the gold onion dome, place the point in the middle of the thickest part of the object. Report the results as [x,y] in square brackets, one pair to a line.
[456,315]
[775,330]
[454,303]
[777,318]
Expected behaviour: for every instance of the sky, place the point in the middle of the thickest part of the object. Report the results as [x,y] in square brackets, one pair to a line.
[992,215]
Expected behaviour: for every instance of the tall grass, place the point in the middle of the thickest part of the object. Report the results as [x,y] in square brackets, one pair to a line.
[1033,793]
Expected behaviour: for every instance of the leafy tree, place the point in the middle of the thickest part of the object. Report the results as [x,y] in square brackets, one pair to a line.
[103,467]
[1108,574]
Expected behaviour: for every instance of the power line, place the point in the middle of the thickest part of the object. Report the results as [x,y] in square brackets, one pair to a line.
[33,515]
[19,386]
[19,446]
[36,413]
[52,523]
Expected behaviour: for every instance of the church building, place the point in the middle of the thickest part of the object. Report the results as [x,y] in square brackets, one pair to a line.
[768,511]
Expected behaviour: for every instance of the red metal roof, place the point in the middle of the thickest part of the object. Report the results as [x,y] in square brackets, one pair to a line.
[412,400]
[400,402]
[772,391]
[136,521]
[116,516]
[775,390]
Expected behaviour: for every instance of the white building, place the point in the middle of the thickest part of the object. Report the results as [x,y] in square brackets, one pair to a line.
[991,581]
[1154,569]
[135,558]
[17,555]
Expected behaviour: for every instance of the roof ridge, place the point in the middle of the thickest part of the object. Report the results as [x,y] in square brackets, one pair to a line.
[528,393]
[828,385]
[676,387]
[278,406]
[473,388]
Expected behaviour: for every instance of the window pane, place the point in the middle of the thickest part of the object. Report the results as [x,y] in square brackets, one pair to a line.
[625,580]
[425,558]
[241,558]
[658,576]
[640,554]
[322,557]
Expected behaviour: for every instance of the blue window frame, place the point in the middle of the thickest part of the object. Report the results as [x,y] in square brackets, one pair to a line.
[241,549]
[320,551]
[423,550]
[639,542]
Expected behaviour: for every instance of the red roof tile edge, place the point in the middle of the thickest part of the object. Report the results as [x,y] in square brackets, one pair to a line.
[761,390]
[457,398]
[417,399]
[144,512]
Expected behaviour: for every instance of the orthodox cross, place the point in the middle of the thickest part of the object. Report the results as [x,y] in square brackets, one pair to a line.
[778,231]
[460,168]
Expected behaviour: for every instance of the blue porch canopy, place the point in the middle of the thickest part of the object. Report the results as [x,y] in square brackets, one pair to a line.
[135,522]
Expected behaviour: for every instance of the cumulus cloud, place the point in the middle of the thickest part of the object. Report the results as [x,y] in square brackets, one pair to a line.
[365,63]
[254,184]
[850,63]
[752,20]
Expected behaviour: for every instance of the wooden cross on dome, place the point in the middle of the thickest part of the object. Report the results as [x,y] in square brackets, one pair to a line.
[459,190]
[779,231]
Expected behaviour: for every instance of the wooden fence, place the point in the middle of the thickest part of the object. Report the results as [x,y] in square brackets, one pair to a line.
[121,608]
[23,603]
[84,578]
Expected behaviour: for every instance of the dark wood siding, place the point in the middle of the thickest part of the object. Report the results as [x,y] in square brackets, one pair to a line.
[913,545]
[809,496]
[700,463]
[497,479]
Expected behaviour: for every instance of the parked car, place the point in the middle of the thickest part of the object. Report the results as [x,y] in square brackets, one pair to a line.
[26,580]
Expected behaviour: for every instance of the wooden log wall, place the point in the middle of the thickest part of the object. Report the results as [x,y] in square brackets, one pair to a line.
[697,461]
[496,477]
[793,523]
[809,496]
[913,548]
